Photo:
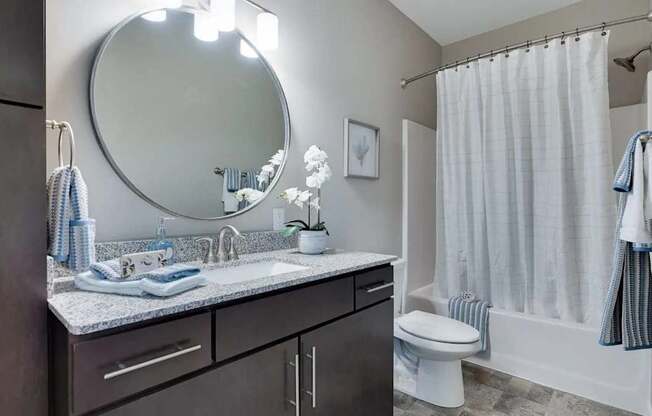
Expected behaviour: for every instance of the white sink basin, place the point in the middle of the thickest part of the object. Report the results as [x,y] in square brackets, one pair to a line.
[251,271]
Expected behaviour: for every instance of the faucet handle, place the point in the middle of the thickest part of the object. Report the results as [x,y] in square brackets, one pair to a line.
[209,257]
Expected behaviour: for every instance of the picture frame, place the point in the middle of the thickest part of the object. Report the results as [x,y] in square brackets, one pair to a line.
[361,150]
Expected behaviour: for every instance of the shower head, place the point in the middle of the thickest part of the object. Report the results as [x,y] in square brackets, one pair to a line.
[628,63]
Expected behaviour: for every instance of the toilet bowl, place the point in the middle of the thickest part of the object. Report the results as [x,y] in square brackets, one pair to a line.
[440,343]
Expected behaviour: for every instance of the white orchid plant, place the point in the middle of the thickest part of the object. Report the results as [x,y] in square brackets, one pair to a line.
[316,161]
[264,178]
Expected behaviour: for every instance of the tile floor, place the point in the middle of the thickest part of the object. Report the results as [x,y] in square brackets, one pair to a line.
[491,393]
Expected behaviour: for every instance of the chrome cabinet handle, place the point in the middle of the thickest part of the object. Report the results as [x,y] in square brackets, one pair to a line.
[313,392]
[149,363]
[297,387]
[381,287]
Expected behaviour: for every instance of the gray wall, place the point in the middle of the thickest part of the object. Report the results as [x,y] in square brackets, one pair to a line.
[338,58]
[625,88]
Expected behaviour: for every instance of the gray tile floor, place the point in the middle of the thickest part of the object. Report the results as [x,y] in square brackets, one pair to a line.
[491,393]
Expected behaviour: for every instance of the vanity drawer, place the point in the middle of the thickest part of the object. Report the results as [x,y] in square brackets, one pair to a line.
[373,286]
[107,369]
[244,327]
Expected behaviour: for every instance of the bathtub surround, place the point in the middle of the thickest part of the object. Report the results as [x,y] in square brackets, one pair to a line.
[524,219]
[323,64]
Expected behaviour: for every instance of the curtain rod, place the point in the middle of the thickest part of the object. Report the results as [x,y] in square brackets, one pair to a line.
[578,31]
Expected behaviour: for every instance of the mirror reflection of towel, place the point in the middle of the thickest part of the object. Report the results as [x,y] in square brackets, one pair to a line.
[230,186]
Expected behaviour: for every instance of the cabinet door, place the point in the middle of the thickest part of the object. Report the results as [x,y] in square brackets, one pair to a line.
[23,345]
[22,52]
[259,384]
[349,371]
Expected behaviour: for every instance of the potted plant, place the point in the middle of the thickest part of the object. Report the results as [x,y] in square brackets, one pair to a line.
[313,237]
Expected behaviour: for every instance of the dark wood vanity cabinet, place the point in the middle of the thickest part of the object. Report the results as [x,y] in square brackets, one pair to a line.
[305,351]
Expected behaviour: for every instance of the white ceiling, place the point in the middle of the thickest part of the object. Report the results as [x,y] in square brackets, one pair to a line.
[449,21]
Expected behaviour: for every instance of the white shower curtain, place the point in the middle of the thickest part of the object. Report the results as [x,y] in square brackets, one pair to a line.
[525,213]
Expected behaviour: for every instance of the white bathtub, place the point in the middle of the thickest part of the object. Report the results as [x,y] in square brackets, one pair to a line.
[560,355]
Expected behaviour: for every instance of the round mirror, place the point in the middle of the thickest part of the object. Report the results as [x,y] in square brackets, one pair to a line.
[189,116]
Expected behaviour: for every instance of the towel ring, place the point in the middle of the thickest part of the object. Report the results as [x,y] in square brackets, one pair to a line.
[65,126]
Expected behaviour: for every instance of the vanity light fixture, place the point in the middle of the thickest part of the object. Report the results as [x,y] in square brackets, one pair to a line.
[267,39]
[247,51]
[225,12]
[161,15]
[205,27]
[156,16]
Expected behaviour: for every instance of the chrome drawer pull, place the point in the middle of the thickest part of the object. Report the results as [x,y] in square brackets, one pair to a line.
[381,287]
[313,393]
[151,362]
[297,387]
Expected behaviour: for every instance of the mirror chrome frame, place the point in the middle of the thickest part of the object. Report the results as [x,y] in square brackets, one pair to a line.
[105,150]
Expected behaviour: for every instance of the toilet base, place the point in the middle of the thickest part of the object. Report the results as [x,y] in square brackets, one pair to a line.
[440,383]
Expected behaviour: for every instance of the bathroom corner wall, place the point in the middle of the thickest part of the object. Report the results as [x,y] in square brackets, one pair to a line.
[337,59]
[624,87]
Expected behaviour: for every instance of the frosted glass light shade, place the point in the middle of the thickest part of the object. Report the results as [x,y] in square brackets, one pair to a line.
[225,12]
[156,16]
[173,4]
[205,27]
[267,39]
[247,51]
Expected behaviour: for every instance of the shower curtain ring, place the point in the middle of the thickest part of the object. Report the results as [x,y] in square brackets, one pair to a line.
[507,51]
[527,47]
[604,29]
[467,62]
[491,58]
[563,38]
[456,65]
[546,46]
[577,34]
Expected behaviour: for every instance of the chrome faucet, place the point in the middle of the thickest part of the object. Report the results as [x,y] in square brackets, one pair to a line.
[222,255]
[209,257]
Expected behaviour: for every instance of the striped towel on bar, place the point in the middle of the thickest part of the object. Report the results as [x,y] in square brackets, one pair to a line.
[59,214]
[249,180]
[232,176]
[627,311]
[474,313]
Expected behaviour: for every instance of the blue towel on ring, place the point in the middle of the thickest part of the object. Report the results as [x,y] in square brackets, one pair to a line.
[472,312]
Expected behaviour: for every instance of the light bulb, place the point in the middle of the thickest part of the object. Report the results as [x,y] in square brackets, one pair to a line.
[172,4]
[246,50]
[225,12]
[205,27]
[156,16]
[267,32]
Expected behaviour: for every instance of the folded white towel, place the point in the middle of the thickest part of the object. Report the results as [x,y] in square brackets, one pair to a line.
[90,282]
[634,225]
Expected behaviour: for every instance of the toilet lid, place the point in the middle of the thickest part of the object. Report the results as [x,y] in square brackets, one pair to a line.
[437,328]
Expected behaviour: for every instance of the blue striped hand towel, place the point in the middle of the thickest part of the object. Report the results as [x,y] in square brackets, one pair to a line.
[474,313]
[626,316]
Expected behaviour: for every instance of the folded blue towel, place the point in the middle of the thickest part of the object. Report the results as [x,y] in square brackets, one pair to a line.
[474,313]
[171,273]
[111,270]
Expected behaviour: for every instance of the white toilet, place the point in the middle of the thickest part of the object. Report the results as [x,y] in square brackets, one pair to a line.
[440,343]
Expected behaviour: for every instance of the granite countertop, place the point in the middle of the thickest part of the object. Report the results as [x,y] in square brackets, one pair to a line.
[88,312]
